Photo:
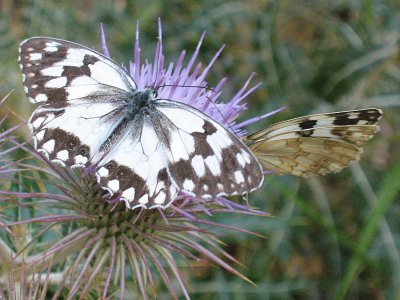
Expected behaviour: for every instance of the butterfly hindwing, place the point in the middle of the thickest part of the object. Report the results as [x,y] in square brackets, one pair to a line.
[199,156]
[212,161]
[72,135]
[135,167]
[316,144]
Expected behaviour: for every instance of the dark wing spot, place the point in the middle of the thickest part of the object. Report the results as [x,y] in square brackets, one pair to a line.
[64,141]
[201,146]
[209,128]
[84,151]
[90,60]
[111,166]
[345,120]
[307,124]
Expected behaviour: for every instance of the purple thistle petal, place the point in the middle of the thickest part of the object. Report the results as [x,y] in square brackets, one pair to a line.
[185,72]
[136,65]
[269,172]
[256,119]
[103,41]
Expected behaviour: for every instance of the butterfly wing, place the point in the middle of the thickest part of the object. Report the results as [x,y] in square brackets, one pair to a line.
[197,155]
[135,168]
[81,92]
[316,144]
[57,72]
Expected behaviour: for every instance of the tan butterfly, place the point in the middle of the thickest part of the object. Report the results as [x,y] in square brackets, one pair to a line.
[315,144]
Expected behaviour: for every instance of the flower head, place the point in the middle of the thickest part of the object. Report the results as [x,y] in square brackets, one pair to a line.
[98,247]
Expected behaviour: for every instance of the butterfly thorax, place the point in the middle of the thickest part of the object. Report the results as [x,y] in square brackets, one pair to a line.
[138,104]
[140,101]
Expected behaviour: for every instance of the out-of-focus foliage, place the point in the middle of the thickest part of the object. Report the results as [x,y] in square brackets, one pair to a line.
[329,236]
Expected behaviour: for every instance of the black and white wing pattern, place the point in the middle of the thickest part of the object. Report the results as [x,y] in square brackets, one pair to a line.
[145,150]
[315,144]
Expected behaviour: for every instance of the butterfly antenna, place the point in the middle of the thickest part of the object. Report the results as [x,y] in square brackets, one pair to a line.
[187,86]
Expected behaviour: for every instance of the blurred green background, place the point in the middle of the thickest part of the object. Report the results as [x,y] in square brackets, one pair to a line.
[336,236]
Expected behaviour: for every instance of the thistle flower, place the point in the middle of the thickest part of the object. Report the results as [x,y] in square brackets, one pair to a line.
[98,248]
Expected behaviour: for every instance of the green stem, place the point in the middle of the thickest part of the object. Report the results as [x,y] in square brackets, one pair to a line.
[386,195]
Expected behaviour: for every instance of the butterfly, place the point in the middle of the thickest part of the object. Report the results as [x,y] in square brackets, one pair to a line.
[145,150]
[316,144]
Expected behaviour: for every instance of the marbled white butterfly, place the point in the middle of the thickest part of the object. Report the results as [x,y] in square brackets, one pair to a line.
[145,149]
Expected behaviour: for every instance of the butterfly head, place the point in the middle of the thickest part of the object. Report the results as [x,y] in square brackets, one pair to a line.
[142,97]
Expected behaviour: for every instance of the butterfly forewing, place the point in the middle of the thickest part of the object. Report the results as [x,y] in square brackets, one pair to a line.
[316,144]
[146,157]
[57,71]
[79,104]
